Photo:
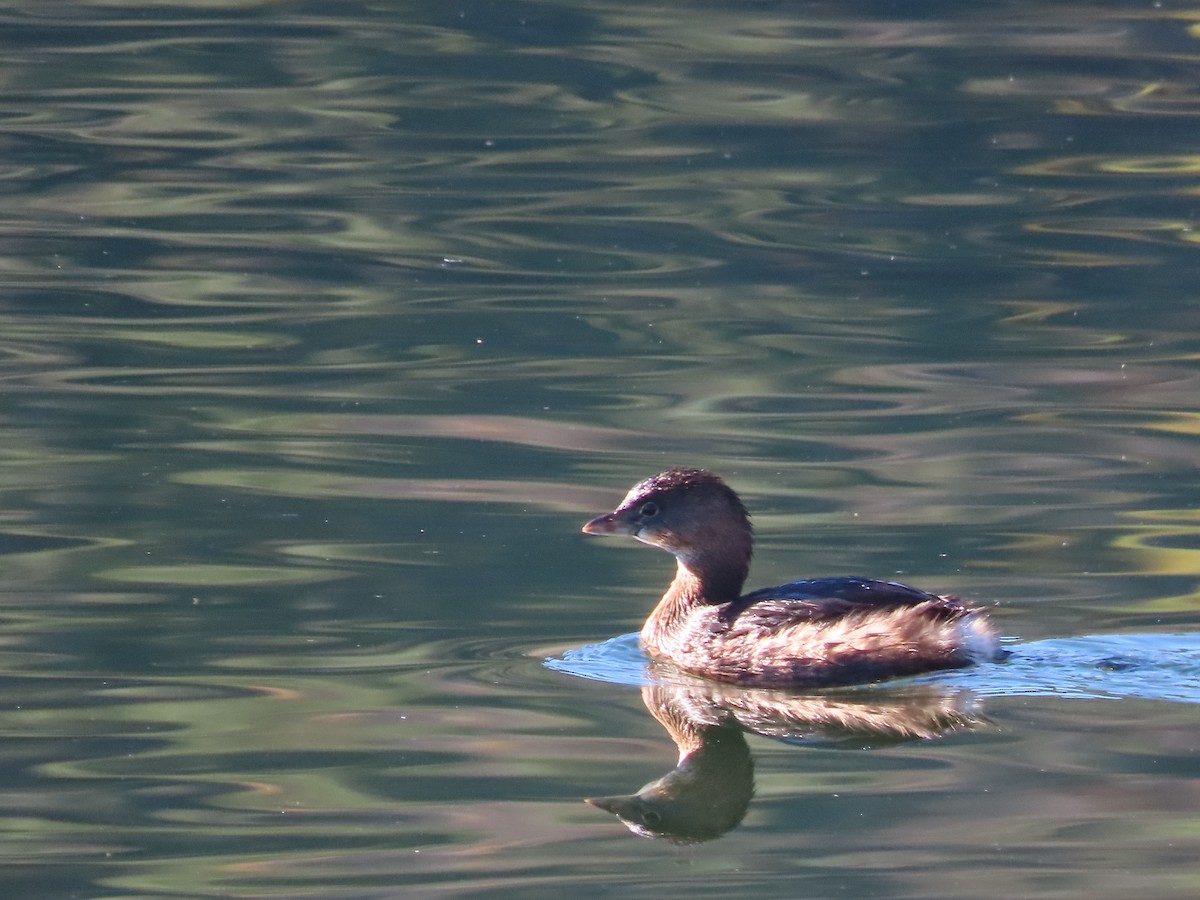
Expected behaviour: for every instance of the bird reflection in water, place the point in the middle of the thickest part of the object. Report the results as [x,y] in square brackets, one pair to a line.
[709,790]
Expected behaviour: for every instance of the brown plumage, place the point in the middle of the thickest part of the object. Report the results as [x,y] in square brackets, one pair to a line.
[817,632]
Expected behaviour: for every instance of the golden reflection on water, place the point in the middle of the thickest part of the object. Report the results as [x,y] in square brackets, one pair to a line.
[315,485]
[507,429]
[201,575]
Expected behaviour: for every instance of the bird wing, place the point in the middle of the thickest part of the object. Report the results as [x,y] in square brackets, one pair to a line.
[828,598]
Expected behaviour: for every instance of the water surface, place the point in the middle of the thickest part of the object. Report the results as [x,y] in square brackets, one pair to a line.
[323,328]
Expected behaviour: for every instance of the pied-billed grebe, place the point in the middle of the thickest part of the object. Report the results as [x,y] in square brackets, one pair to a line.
[818,632]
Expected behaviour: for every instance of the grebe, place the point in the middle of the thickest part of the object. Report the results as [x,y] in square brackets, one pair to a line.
[822,631]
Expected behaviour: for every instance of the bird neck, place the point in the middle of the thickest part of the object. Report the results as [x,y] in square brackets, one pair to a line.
[699,581]
[709,581]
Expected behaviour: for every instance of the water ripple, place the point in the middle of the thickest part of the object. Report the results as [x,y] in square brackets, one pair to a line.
[1114,666]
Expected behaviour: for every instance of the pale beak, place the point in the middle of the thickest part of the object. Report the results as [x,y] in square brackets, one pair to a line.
[609,523]
[618,806]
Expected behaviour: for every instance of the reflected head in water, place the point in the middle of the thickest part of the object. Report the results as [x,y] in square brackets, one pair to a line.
[822,631]
[709,790]
[703,797]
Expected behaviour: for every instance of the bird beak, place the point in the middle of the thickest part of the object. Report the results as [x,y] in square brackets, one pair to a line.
[609,523]
[618,806]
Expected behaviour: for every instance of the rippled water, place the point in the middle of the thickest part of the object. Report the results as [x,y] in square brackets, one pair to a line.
[323,327]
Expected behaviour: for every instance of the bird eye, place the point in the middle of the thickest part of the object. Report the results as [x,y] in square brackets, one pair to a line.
[649,510]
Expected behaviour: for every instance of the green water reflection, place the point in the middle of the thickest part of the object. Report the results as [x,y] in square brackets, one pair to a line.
[322,328]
